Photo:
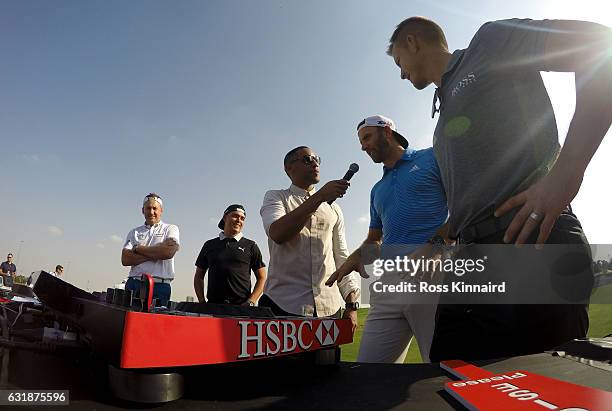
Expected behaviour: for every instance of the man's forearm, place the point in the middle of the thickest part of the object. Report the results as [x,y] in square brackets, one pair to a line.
[443,230]
[198,284]
[258,289]
[591,121]
[583,48]
[128,258]
[157,252]
[369,251]
[351,297]
[292,223]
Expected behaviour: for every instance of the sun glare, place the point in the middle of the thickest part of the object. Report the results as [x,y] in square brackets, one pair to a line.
[599,11]
[591,202]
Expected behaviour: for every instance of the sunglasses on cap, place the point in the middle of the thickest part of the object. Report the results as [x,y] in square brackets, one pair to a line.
[308,159]
[153,196]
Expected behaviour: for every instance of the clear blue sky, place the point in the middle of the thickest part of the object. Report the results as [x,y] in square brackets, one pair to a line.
[102,102]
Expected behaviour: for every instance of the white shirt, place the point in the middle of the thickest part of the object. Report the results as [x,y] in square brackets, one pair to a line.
[300,266]
[237,237]
[152,235]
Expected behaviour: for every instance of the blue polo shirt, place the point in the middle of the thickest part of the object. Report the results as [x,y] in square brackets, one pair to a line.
[409,203]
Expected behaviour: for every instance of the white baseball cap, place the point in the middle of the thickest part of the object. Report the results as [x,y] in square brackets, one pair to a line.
[382,121]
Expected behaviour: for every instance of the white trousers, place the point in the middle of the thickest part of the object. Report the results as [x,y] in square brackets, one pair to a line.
[389,328]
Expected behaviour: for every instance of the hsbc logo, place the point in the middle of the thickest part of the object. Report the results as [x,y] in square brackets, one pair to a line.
[275,337]
[328,332]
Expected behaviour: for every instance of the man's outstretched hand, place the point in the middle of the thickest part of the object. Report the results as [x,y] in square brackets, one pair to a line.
[353,263]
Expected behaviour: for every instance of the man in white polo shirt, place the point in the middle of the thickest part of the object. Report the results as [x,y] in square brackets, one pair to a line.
[150,249]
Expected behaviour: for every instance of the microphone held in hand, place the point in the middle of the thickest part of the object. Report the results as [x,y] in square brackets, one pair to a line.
[353,168]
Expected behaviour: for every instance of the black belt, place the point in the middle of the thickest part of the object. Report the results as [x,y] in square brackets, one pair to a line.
[485,228]
[491,225]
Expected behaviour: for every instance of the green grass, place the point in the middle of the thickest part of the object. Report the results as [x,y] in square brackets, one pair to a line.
[602,295]
[600,316]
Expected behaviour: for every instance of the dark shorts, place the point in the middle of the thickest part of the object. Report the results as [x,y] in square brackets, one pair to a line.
[483,331]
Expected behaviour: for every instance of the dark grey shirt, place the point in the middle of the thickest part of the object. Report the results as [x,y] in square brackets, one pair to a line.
[496,133]
[8,268]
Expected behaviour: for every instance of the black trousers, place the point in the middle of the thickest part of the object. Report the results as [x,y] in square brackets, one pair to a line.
[265,301]
[479,331]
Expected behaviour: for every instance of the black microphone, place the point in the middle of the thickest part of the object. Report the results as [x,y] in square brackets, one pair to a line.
[353,168]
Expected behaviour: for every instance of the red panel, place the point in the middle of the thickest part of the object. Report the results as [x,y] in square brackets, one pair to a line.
[158,340]
[522,390]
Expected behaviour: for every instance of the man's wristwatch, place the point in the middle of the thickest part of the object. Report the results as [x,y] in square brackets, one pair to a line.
[352,306]
[251,303]
[134,249]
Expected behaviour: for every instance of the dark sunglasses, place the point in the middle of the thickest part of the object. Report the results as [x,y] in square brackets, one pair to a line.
[308,160]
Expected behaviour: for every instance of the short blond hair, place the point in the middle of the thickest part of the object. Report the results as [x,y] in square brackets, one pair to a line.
[420,26]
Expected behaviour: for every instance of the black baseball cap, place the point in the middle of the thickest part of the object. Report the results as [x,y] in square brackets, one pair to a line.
[229,209]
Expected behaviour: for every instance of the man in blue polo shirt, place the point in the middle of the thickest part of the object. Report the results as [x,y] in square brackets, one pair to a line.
[407,209]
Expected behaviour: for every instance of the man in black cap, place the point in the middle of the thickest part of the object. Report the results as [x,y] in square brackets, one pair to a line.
[230,257]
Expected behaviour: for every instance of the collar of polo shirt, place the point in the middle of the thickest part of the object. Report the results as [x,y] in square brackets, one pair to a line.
[154,225]
[236,237]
